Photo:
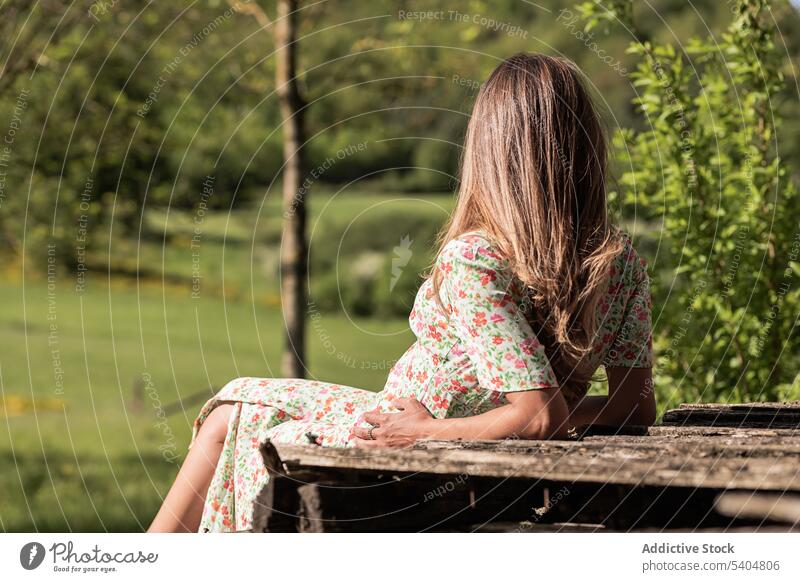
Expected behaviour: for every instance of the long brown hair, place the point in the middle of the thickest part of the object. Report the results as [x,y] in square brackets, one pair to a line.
[533,178]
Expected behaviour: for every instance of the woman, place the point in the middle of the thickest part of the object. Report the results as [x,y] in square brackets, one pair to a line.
[532,290]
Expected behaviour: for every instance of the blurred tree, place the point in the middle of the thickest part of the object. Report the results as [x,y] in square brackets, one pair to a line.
[26,31]
[294,246]
[81,157]
[28,28]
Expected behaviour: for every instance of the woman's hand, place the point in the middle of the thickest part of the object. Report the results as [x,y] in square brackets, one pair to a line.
[395,429]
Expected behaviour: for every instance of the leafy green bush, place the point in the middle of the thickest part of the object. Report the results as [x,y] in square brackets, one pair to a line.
[371,264]
[708,168]
[396,287]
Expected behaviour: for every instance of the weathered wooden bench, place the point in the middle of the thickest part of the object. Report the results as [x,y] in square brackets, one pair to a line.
[708,467]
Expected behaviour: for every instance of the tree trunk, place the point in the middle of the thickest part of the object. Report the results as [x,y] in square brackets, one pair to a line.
[294,248]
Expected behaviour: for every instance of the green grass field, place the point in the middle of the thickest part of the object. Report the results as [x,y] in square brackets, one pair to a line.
[83,452]
[93,382]
[90,445]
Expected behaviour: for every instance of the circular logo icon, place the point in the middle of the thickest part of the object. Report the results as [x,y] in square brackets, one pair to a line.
[31,555]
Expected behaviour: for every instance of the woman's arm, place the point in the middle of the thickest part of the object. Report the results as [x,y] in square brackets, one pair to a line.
[630,400]
[506,356]
[533,414]
[628,363]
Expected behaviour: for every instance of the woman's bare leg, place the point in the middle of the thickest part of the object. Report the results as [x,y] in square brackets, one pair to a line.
[183,506]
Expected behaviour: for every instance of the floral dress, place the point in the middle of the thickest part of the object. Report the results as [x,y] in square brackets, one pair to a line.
[473,346]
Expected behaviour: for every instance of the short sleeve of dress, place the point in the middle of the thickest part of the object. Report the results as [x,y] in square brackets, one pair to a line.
[633,344]
[498,339]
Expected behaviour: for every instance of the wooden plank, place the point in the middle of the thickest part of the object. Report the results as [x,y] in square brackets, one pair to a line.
[763,507]
[689,432]
[635,507]
[728,445]
[594,430]
[665,477]
[338,501]
[719,465]
[532,527]
[341,500]
[411,503]
[277,504]
[754,415]
[527,527]
[623,483]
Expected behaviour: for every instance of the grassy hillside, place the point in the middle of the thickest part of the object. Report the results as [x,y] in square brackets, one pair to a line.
[92,381]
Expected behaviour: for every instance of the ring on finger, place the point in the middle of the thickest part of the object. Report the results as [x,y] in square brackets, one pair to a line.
[369,433]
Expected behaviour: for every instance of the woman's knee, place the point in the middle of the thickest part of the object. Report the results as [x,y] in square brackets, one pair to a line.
[233,387]
[215,426]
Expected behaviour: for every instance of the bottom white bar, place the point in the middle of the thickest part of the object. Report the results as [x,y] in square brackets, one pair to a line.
[401,557]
